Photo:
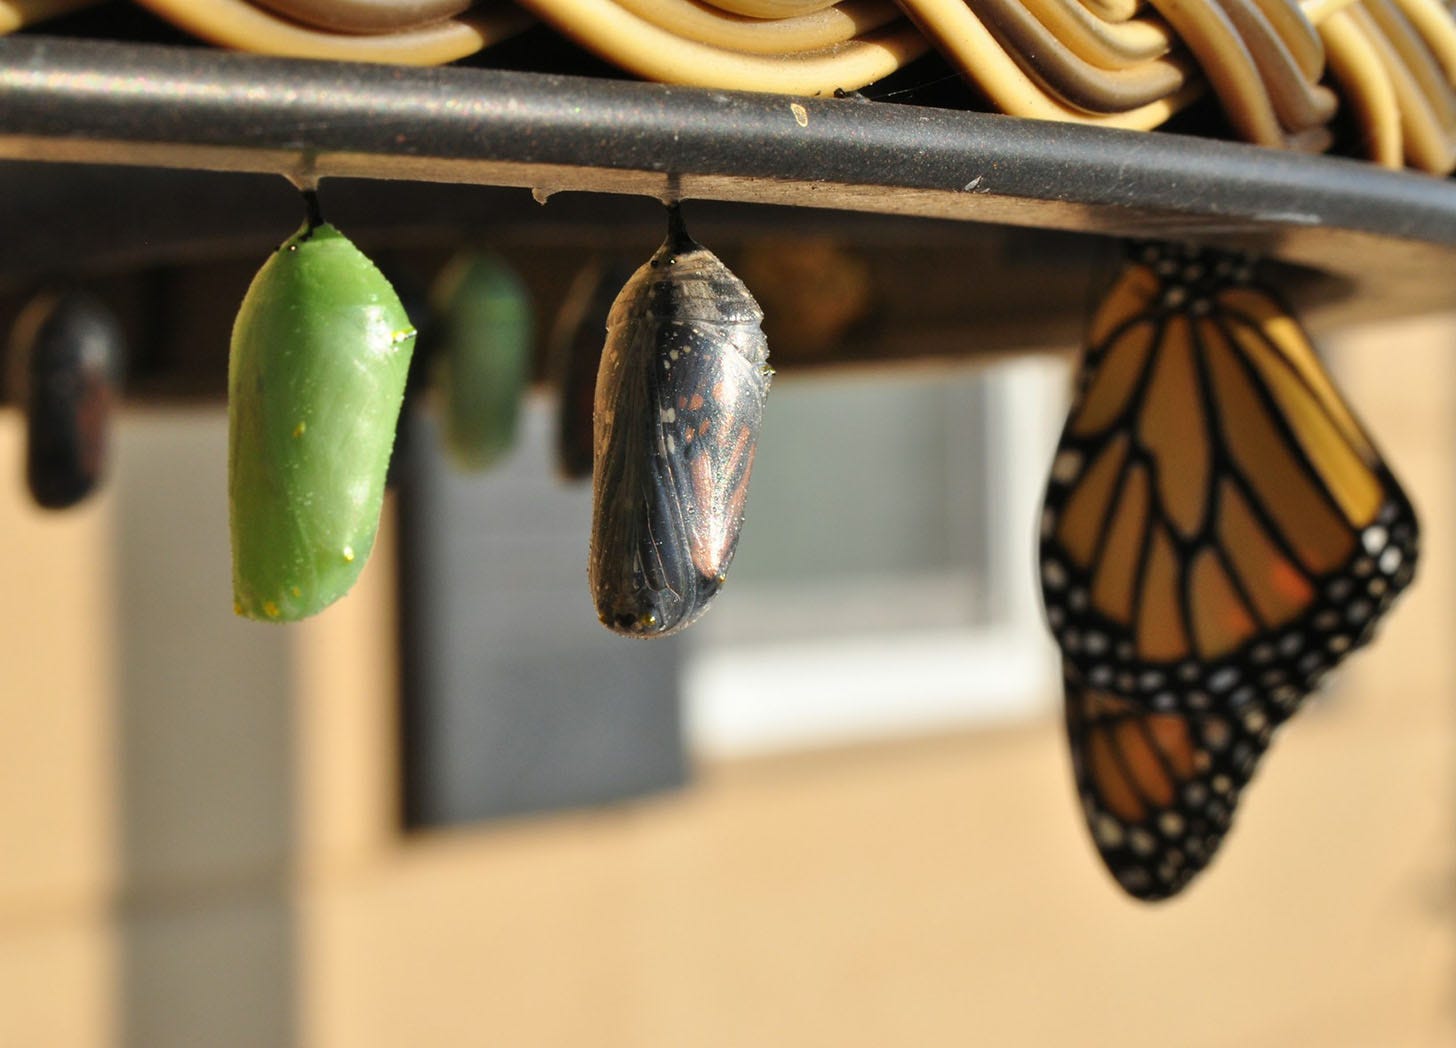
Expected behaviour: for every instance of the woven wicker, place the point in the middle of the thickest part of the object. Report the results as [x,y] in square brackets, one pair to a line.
[1280,70]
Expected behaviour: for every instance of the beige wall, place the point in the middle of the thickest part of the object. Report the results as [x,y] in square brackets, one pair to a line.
[938,891]
[942,892]
[57,767]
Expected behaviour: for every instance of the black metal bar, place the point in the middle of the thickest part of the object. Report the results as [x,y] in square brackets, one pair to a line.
[97,102]
[76,99]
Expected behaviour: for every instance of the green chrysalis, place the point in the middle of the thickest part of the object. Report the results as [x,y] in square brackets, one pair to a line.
[320,351]
[484,356]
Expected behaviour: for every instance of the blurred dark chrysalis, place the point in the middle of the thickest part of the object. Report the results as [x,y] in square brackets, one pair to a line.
[576,354]
[67,353]
[679,401]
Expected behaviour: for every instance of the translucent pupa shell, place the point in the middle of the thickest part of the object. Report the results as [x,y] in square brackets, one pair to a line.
[679,402]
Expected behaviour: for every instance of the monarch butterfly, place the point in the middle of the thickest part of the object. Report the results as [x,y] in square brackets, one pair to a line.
[486,328]
[320,351]
[679,400]
[67,355]
[1218,533]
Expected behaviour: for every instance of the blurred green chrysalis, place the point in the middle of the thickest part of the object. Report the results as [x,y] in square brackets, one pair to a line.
[320,351]
[484,347]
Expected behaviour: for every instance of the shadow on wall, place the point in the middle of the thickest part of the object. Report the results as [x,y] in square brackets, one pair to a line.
[207,937]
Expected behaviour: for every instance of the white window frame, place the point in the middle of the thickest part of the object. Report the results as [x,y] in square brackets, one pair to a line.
[746,699]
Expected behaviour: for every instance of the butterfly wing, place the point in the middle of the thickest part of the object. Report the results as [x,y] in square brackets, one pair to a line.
[1219,532]
[1217,521]
[1158,790]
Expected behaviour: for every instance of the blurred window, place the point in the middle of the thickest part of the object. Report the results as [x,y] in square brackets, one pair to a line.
[884,582]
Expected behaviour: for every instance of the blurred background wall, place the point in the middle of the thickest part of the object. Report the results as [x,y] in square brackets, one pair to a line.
[200,818]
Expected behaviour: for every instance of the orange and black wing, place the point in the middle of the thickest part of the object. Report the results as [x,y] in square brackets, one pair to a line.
[1158,790]
[1218,526]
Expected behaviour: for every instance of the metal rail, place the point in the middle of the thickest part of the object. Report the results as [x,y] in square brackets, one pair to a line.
[96,102]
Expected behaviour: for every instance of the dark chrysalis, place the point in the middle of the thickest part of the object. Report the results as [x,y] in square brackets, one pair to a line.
[486,333]
[679,401]
[67,353]
[576,355]
[320,350]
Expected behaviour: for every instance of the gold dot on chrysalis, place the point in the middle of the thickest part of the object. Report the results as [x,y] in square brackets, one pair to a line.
[270,609]
[349,554]
[299,429]
[296,591]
